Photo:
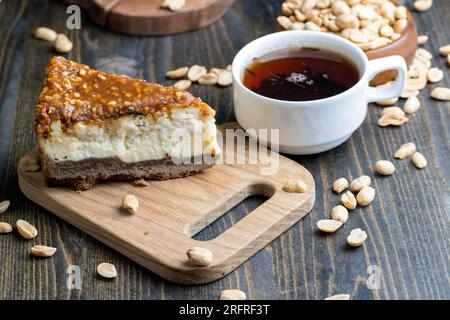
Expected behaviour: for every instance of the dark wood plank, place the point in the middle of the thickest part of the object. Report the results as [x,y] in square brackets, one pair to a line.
[407,223]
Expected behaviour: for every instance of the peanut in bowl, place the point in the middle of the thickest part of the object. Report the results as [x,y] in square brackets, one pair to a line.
[379,27]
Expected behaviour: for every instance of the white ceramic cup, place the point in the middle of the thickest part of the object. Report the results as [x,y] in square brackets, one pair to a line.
[308,127]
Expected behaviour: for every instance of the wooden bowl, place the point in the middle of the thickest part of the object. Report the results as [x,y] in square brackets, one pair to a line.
[146,18]
[404,46]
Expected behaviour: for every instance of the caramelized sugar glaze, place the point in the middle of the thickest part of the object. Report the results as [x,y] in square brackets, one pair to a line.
[74,92]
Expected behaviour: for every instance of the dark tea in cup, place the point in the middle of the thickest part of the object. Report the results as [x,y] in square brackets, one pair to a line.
[301,74]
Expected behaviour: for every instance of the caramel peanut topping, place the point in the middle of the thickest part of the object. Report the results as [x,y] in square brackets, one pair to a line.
[74,92]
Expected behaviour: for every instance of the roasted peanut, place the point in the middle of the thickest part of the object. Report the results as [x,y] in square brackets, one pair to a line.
[196,72]
[63,44]
[359,183]
[412,104]
[356,238]
[419,160]
[130,203]
[392,119]
[107,270]
[348,200]
[340,185]
[295,185]
[200,256]
[406,150]
[26,230]
[5,227]
[441,93]
[365,196]
[46,34]
[233,294]
[4,205]
[328,225]
[183,84]
[342,296]
[177,73]
[43,251]
[339,213]
[384,167]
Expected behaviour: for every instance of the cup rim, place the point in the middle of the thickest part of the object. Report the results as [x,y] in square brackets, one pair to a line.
[300,33]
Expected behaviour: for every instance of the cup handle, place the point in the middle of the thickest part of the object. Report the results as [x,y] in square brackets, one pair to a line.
[383,64]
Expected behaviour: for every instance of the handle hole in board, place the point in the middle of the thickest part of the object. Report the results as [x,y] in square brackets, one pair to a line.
[250,199]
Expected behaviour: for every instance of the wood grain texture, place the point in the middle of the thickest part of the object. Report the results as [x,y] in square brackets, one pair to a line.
[172,211]
[407,224]
[146,17]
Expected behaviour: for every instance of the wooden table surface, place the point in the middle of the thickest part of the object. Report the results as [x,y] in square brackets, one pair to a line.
[407,224]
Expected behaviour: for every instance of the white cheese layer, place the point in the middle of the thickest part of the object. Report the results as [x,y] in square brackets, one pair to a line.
[134,138]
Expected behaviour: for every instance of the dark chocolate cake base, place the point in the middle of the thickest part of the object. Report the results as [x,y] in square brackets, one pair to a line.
[82,175]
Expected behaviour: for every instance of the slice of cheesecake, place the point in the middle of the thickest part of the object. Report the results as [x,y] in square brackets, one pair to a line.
[94,126]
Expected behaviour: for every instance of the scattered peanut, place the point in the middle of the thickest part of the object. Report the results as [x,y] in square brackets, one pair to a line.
[42,251]
[348,200]
[444,50]
[424,53]
[46,34]
[233,294]
[196,72]
[387,102]
[405,150]
[384,167]
[225,79]
[62,44]
[173,5]
[340,185]
[339,213]
[26,230]
[30,163]
[4,205]
[130,203]
[419,160]
[177,73]
[392,119]
[200,256]
[183,84]
[394,110]
[341,296]
[415,84]
[412,104]
[423,5]
[328,225]
[107,270]
[294,185]
[435,75]
[141,183]
[359,183]
[409,93]
[5,227]
[218,71]
[208,79]
[422,39]
[365,196]
[441,93]
[356,238]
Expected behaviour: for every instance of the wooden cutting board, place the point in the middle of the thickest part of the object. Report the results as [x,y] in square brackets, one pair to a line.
[146,17]
[171,212]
